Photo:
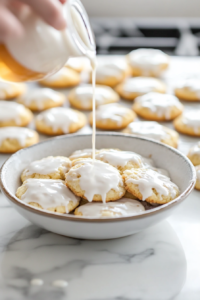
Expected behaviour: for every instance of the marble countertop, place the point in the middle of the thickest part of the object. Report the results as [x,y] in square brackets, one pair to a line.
[161,263]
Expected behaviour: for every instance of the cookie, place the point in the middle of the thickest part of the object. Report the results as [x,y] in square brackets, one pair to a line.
[188,89]
[154,131]
[65,78]
[78,64]
[95,180]
[188,123]
[81,96]
[122,160]
[149,185]
[42,99]
[13,139]
[121,208]
[194,154]
[48,194]
[14,114]
[157,107]
[85,153]
[134,87]
[148,62]
[112,117]
[60,120]
[47,168]
[111,72]
[10,90]
[197,185]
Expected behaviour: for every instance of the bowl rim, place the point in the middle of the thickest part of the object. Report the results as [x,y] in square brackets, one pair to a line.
[69,217]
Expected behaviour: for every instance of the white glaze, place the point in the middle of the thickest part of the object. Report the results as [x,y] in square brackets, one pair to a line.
[11,111]
[48,193]
[147,129]
[59,118]
[7,89]
[62,74]
[97,178]
[119,158]
[160,104]
[37,282]
[84,94]
[195,150]
[112,111]
[19,133]
[40,96]
[149,60]
[48,165]
[60,283]
[122,208]
[141,85]
[192,119]
[148,179]
[78,63]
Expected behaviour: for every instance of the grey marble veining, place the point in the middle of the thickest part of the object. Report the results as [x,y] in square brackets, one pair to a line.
[149,266]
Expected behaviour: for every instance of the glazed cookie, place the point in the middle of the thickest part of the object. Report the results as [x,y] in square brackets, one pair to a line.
[188,89]
[85,153]
[111,72]
[78,64]
[41,99]
[81,96]
[10,90]
[112,117]
[122,160]
[65,78]
[95,181]
[148,62]
[47,168]
[14,114]
[48,194]
[121,208]
[197,186]
[60,120]
[194,154]
[150,185]
[155,131]
[188,123]
[158,107]
[13,139]
[134,87]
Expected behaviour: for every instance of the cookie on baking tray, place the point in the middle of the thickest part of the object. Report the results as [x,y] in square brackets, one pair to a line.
[42,99]
[10,90]
[157,107]
[14,114]
[13,139]
[147,62]
[81,96]
[112,117]
[137,86]
[188,123]
[60,120]
[65,78]
[155,131]
[188,89]
[194,154]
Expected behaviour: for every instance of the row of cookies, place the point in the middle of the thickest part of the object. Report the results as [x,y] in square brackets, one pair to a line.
[68,180]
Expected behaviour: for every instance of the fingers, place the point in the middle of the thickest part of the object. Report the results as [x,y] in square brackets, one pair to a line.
[9,25]
[50,11]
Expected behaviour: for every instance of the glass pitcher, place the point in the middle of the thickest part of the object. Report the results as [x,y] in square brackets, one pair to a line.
[43,50]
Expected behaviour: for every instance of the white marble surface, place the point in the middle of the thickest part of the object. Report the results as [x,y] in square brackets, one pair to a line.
[162,263]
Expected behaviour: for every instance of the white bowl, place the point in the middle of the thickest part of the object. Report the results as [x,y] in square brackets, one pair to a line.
[179,167]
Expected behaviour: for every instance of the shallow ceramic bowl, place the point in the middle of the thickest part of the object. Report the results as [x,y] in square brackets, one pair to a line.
[179,167]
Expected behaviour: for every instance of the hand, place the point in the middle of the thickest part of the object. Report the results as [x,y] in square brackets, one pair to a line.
[49,10]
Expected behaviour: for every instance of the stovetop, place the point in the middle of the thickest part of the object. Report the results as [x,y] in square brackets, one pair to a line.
[121,35]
